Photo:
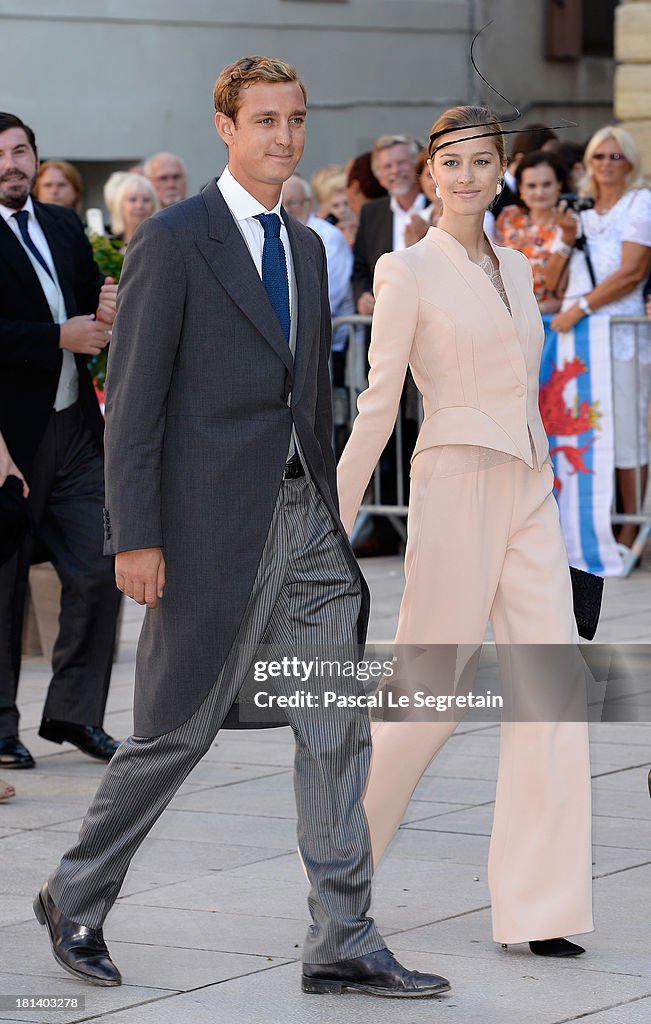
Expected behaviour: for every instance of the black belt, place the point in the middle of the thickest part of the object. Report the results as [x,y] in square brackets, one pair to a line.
[293,468]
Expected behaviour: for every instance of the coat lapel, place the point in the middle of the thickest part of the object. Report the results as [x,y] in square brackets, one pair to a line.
[307,294]
[61,254]
[15,256]
[510,326]
[230,261]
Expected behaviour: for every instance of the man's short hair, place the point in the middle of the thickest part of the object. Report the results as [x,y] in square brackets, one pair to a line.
[389,141]
[245,72]
[8,121]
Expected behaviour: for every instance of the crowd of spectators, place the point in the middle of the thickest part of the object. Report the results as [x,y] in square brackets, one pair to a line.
[581,216]
[385,199]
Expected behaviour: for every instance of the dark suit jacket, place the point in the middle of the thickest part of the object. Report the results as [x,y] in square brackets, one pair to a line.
[30,357]
[374,238]
[197,433]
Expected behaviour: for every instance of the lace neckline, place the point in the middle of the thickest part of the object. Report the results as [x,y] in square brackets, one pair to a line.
[493,273]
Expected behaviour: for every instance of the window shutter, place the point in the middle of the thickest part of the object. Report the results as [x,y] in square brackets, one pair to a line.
[564,35]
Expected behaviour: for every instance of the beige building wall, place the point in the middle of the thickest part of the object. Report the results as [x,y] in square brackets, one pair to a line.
[107,82]
[633,74]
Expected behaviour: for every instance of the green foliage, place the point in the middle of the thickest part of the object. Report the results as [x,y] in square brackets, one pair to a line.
[109,258]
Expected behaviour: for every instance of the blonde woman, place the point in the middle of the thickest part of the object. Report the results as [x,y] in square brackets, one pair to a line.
[134,200]
[484,540]
[617,233]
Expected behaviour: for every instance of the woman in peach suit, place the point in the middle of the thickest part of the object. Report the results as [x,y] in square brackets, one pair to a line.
[484,541]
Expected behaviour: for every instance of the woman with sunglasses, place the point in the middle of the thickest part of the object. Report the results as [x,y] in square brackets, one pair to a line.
[617,233]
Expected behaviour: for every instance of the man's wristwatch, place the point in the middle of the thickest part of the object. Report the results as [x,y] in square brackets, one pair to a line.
[585,306]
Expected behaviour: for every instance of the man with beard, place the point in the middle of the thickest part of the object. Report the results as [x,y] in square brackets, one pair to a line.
[50,289]
[381,229]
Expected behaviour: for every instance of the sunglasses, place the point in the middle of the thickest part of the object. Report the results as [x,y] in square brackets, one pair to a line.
[608,156]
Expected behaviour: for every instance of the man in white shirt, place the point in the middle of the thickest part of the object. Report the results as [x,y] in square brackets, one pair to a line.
[382,222]
[50,289]
[222,512]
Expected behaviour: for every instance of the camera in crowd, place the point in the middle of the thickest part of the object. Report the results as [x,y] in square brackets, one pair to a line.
[576,202]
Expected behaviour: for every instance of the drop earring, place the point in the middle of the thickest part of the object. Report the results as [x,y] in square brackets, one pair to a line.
[498,190]
[438,192]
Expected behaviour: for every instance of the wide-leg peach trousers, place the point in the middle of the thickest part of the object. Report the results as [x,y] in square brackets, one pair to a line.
[484,543]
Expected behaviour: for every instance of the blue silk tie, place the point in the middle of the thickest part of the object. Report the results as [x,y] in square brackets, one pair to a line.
[22,216]
[274,269]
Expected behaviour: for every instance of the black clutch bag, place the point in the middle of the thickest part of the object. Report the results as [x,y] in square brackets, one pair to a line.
[587,591]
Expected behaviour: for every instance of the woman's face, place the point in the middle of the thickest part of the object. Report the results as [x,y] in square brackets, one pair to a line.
[137,205]
[337,204]
[54,187]
[539,188]
[609,167]
[467,172]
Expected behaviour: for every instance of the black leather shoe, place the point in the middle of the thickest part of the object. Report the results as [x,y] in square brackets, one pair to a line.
[78,949]
[377,974]
[91,739]
[556,947]
[13,754]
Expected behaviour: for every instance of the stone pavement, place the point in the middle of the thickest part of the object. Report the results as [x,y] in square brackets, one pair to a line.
[210,922]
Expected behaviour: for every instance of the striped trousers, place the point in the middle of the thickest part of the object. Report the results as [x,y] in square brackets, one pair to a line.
[304,595]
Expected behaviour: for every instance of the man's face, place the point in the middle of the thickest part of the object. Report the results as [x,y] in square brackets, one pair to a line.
[18,164]
[395,169]
[168,178]
[265,142]
[295,201]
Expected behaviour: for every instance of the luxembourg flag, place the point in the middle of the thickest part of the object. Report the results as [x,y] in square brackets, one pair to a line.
[576,409]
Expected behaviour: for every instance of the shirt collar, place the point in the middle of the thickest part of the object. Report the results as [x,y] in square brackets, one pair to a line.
[241,203]
[418,204]
[7,212]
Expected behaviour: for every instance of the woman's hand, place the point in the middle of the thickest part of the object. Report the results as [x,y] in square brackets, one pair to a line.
[568,319]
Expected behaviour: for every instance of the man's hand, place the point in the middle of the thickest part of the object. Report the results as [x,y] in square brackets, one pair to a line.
[140,574]
[85,335]
[9,468]
[365,304]
[106,305]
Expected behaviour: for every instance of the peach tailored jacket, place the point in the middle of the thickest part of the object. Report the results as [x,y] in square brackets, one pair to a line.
[475,364]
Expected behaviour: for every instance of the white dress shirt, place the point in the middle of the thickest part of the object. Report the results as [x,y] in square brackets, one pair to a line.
[68,386]
[402,217]
[245,209]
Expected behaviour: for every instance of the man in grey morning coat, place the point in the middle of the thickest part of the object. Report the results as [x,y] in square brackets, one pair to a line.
[222,514]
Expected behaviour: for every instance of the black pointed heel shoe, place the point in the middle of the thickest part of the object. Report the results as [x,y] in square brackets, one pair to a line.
[556,947]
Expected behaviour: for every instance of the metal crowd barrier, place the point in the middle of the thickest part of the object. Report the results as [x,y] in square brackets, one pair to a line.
[639,517]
